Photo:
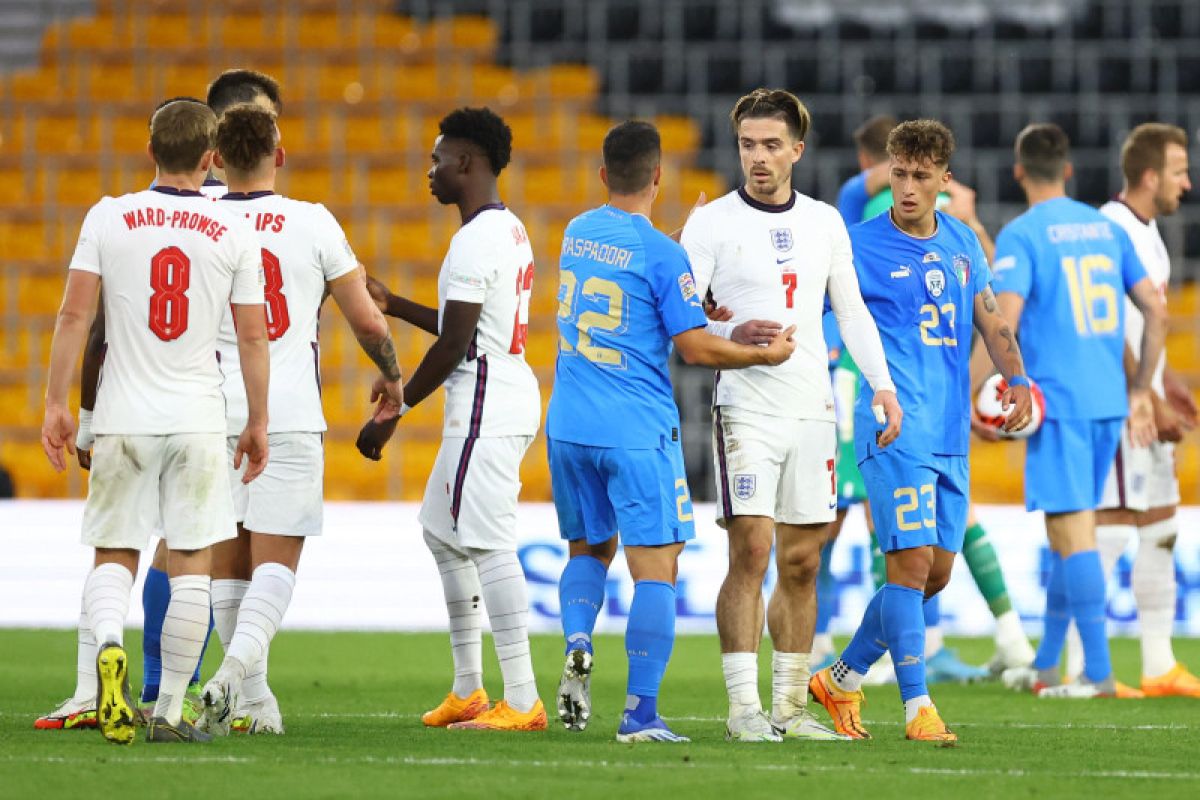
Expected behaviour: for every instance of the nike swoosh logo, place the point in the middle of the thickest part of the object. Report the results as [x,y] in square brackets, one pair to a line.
[782,260]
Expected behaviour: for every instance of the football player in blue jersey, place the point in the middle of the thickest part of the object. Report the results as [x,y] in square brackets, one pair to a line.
[626,293]
[1061,268]
[925,278]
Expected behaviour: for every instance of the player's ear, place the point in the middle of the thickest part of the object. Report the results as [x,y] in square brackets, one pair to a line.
[1068,171]
[150,153]
[604,176]
[280,157]
[206,160]
[1018,173]
[797,150]
[217,161]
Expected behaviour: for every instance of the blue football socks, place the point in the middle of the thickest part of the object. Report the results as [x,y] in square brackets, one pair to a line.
[904,630]
[868,644]
[649,638]
[826,589]
[933,612]
[1057,619]
[580,598]
[156,595]
[1085,596]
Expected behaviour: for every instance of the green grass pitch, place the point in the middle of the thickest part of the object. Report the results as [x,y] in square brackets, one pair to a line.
[351,704]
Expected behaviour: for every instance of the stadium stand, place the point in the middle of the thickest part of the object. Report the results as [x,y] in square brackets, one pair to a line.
[366,80]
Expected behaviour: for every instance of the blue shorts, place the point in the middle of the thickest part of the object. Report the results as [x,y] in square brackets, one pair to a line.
[917,501]
[600,491]
[1067,463]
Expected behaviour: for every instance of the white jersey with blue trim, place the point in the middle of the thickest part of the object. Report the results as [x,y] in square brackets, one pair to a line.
[492,392]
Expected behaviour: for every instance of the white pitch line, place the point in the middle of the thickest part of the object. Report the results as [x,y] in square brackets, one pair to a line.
[415,761]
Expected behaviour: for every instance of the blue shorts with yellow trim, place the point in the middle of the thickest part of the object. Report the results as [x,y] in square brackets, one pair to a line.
[1067,463]
[600,491]
[917,501]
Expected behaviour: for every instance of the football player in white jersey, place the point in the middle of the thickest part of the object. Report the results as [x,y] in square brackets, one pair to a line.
[493,407]
[1142,491]
[171,263]
[230,87]
[768,252]
[304,251]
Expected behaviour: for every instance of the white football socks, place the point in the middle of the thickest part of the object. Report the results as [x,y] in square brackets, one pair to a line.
[741,681]
[461,589]
[847,679]
[913,707]
[106,600]
[227,594]
[507,603]
[935,640]
[261,614]
[184,631]
[789,684]
[1111,541]
[85,660]
[1011,639]
[1154,589]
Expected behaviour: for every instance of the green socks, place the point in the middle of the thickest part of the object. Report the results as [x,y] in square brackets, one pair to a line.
[985,569]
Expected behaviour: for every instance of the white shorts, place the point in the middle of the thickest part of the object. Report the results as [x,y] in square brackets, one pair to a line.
[471,497]
[139,482]
[1142,478]
[288,498]
[774,467]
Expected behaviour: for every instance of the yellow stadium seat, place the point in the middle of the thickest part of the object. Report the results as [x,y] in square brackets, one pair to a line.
[74,185]
[680,136]
[183,80]
[325,32]
[308,135]
[413,241]
[248,31]
[416,82]
[173,32]
[103,83]
[59,134]
[390,31]
[21,187]
[570,185]
[40,294]
[127,134]
[314,184]
[22,239]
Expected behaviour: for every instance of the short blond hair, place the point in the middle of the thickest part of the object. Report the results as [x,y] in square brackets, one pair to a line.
[1146,148]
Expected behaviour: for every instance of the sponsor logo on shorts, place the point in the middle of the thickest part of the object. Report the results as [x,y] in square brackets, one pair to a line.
[744,485]
[781,238]
[935,282]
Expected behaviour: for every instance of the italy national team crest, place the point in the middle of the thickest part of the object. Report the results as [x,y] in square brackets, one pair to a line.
[962,268]
[781,238]
[743,486]
[935,282]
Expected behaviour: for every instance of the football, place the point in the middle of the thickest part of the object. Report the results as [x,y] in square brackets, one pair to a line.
[991,412]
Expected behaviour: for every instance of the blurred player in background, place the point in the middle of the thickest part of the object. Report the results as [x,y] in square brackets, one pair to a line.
[171,263]
[626,293]
[492,412]
[231,87]
[1142,492]
[767,251]
[925,278]
[305,254]
[1061,268]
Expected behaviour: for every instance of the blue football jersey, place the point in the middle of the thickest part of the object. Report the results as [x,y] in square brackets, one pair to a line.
[624,290]
[852,199]
[921,293]
[1073,266]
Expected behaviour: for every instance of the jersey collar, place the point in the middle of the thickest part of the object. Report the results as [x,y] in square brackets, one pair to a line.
[768,207]
[247,195]
[171,190]
[1121,199]
[483,208]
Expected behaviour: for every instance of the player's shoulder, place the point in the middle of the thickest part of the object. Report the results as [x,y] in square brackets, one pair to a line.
[956,229]
[873,229]
[1133,223]
[817,208]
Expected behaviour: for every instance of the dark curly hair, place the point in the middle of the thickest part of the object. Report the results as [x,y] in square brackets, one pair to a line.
[235,86]
[921,140]
[245,136]
[484,128]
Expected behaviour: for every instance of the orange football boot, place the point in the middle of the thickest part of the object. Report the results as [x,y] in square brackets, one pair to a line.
[843,706]
[1126,692]
[927,726]
[1177,682]
[503,717]
[456,709]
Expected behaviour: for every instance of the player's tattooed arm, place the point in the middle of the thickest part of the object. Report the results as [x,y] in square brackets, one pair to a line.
[995,319]
[393,305]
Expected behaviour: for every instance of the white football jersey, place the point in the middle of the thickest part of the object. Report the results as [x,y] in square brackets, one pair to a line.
[170,263]
[1149,245]
[303,247]
[493,392]
[777,263]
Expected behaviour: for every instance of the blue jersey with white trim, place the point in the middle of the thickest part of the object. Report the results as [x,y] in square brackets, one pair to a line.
[921,293]
[624,290]
[1071,264]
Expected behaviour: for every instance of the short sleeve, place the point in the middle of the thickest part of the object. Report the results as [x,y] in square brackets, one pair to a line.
[1132,268]
[469,269]
[983,273]
[87,250]
[852,199]
[697,242]
[1013,270]
[674,288]
[336,255]
[248,276]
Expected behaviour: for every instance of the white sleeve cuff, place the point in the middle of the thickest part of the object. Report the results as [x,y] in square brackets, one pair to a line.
[722,329]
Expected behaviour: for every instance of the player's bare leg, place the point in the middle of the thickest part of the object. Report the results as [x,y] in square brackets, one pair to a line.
[791,620]
[740,617]
[581,594]
[106,597]
[239,687]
